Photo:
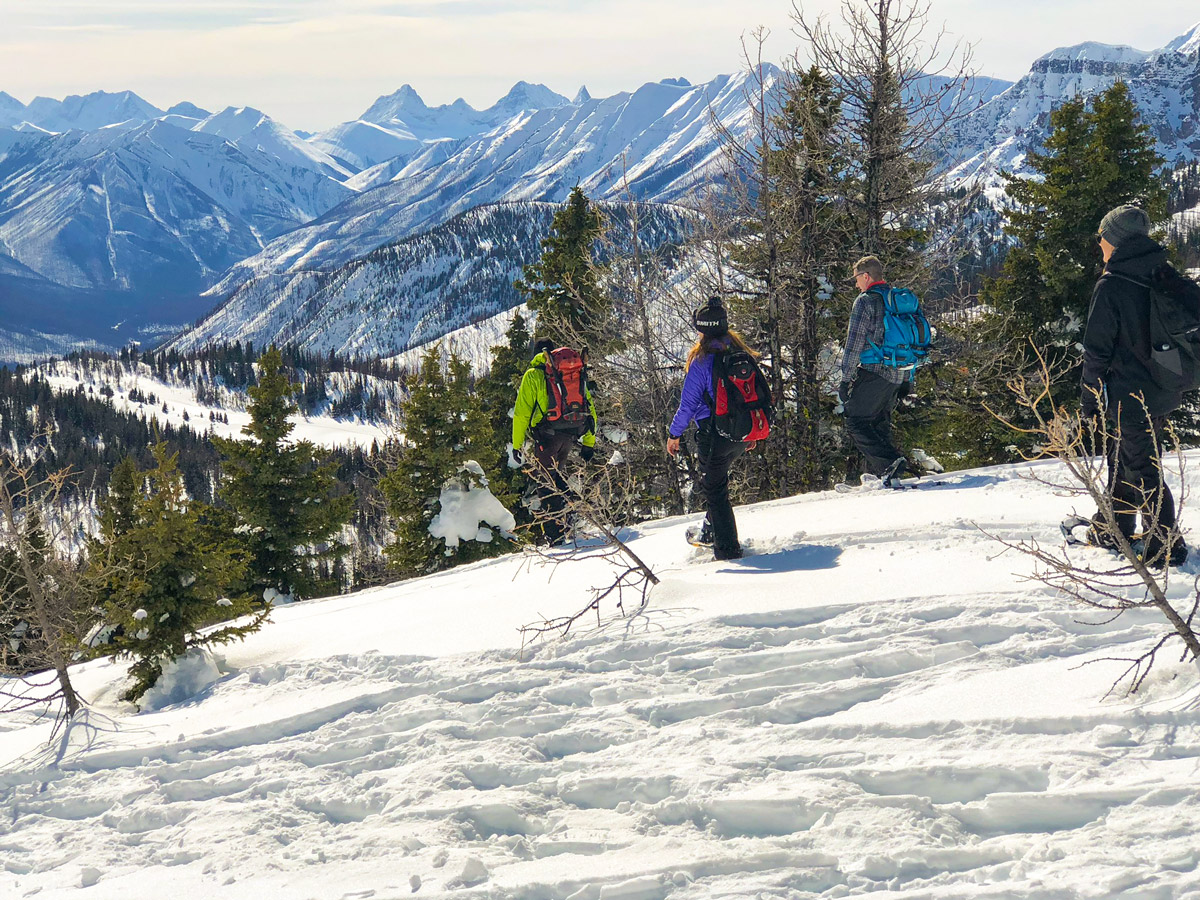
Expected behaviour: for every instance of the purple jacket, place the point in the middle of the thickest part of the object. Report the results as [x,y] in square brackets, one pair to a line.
[697,389]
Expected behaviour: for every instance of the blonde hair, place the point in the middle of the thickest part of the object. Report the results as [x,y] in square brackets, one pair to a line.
[706,346]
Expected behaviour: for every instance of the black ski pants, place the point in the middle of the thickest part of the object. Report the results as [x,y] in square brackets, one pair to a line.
[716,455]
[868,414]
[550,451]
[1135,478]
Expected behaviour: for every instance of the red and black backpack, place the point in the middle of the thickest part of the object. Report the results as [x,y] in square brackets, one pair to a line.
[566,392]
[742,408]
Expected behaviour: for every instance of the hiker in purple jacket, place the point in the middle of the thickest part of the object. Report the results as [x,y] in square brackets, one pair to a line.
[716,454]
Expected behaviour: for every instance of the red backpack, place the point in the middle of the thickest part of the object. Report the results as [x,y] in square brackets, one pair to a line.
[566,392]
[742,408]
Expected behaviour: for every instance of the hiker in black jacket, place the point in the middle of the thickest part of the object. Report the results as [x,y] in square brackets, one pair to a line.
[1117,381]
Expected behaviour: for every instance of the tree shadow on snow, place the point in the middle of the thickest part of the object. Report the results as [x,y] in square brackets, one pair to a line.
[805,558]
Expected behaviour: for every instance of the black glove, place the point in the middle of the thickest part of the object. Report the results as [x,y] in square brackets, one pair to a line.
[1089,403]
[907,396]
[586,452]
[844,392]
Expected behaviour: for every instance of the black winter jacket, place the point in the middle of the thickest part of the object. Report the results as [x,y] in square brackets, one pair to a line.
[1116,341]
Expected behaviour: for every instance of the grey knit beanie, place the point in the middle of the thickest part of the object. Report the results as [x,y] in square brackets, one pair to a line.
[1123,223]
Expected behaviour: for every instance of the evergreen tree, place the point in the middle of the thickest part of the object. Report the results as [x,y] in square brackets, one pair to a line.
[163,568]
[497,392]
[805,178]
[21,649]
[445,427]
[285,498]
[498,389]
[1097,157]
[563,286]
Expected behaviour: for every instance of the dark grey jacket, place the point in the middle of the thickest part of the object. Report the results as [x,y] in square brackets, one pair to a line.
[1116,341]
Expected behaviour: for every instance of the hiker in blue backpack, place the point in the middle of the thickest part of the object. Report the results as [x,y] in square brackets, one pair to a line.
[878,367]
[717,452]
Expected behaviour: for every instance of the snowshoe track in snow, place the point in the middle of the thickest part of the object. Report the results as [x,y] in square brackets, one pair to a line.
[908,743]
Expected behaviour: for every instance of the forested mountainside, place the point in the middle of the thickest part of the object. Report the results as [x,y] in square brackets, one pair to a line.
[411,291]
[87,413]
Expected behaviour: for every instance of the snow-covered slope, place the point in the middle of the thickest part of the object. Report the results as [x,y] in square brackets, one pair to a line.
[176,405]
[874,702]
[148,204]
[250,130]
[1162,83]
[405,293]
[12,110]
[361,145]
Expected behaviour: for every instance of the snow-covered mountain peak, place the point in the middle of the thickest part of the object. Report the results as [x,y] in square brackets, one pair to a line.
[234,122]
[1093,52]
[391,106]
[189,110]
[89,111]
[524,95]
[250,129]
[677,82]
[581,96]
[12,110]
[998,136]
[1187,43]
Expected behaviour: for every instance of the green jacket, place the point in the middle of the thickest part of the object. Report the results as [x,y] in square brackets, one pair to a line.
[533,400]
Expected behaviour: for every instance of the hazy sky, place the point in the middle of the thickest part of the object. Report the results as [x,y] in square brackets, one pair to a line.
[314,63]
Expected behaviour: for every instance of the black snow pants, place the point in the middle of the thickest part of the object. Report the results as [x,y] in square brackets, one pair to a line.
[1135,479]
[869,419]
[717,454]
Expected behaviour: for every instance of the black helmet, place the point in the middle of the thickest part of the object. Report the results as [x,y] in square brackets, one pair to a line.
[711,320]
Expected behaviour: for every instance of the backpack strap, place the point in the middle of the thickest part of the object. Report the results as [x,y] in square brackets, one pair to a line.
[1128,278]
[710,392]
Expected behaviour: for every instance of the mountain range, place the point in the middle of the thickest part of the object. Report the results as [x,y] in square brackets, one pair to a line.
[120,220]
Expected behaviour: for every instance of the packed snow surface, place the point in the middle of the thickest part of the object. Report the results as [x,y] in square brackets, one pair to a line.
[875,701]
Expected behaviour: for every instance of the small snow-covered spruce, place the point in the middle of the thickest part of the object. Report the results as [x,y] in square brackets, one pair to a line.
[1124,580]
[468,511]
[163,562]
[447,453]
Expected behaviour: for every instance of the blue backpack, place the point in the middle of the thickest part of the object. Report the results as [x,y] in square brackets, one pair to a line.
[906,332]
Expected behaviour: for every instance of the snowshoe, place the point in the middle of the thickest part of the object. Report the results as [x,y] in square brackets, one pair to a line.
[1150,550]
[1076,530]
[866,482]
[895,472]
[700,535]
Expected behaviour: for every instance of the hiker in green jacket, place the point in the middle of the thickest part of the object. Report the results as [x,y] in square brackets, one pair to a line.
[554,408]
